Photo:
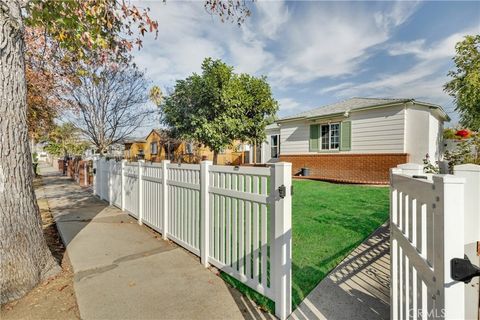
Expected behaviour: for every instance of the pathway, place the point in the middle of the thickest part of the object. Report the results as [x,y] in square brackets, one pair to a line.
[358,288]
[125,271]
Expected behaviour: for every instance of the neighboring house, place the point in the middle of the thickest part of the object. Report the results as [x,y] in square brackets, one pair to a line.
[134,149]
[159,145]
[357,140]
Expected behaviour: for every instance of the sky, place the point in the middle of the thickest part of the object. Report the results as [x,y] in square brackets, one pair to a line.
[314,53]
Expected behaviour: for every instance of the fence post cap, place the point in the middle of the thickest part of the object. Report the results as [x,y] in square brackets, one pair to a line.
[467,167]
[282,164]
[410,166]
[396,170]
[206,162]
[448,178]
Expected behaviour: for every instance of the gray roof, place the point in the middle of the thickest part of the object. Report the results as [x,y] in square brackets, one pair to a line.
[272,126]
[133,140]
[353,104]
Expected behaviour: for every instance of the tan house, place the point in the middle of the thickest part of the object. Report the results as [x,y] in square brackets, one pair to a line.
[159,145]
[134,149]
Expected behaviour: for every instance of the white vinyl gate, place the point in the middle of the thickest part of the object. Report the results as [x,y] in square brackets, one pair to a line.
[235,218]
[433,219]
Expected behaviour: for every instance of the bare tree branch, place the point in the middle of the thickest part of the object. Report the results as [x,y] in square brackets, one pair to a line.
[111,103]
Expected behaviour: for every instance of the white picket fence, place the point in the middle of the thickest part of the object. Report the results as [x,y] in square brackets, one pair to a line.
[235,218]
[433,219]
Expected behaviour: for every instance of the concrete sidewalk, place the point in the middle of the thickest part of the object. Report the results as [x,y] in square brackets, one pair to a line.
[358,288]
[125,271]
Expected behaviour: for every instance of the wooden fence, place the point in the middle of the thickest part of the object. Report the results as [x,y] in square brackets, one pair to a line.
[78,170]
[235,218]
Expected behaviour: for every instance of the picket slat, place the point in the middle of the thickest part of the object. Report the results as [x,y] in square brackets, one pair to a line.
[248,229]
[255,231]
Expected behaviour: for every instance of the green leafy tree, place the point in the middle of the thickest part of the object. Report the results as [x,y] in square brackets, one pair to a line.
[465,83]
[218,107]
[65,140]
[253,97]
[106,29]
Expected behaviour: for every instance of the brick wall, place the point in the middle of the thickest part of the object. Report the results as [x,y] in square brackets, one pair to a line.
[354,168]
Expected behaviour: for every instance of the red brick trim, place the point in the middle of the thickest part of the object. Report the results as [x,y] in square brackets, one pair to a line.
[371,168]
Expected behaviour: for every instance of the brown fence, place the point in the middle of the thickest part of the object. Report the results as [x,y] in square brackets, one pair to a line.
[78,170]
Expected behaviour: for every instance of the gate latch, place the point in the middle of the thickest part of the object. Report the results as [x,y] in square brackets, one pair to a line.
[282,191]
[463,270]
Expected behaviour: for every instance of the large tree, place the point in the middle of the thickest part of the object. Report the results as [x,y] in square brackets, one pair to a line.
[465,83]
[43,77]
[65,140]
[218,107]
[78,26]
[110,102]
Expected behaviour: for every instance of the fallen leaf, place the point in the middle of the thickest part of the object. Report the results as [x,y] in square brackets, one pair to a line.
[63,287]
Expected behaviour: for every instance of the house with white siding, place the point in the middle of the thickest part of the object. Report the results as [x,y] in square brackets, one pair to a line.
[356,140]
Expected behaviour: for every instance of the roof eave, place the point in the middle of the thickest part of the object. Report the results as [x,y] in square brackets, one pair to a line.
[331,115]
[437,107]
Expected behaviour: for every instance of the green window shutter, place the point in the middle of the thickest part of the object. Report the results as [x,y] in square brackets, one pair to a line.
[345,135]
[314,137]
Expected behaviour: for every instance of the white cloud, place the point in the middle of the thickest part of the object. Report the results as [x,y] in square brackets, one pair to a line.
[288,104]
[336,87]
[439,50]
[273,15]
[333,40]
[290,46]
[396,15]
[412,47]
[187,35]
[423,80]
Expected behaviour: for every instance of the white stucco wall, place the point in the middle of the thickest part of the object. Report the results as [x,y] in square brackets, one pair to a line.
[423,134]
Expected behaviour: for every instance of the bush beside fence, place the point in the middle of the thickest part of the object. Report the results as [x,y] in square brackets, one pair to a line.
[235,218]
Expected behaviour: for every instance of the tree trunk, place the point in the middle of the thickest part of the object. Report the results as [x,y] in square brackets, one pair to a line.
[25,259]
[215,157]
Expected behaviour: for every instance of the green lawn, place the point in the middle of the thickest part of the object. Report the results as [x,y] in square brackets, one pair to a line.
[328,221]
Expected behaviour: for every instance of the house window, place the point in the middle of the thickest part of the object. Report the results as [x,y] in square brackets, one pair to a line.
[154,148]
[325,137]
[334,136]
[275,145]
[330,136]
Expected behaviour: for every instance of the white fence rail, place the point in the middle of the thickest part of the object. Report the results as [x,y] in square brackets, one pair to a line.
[431,219]
[235,218]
